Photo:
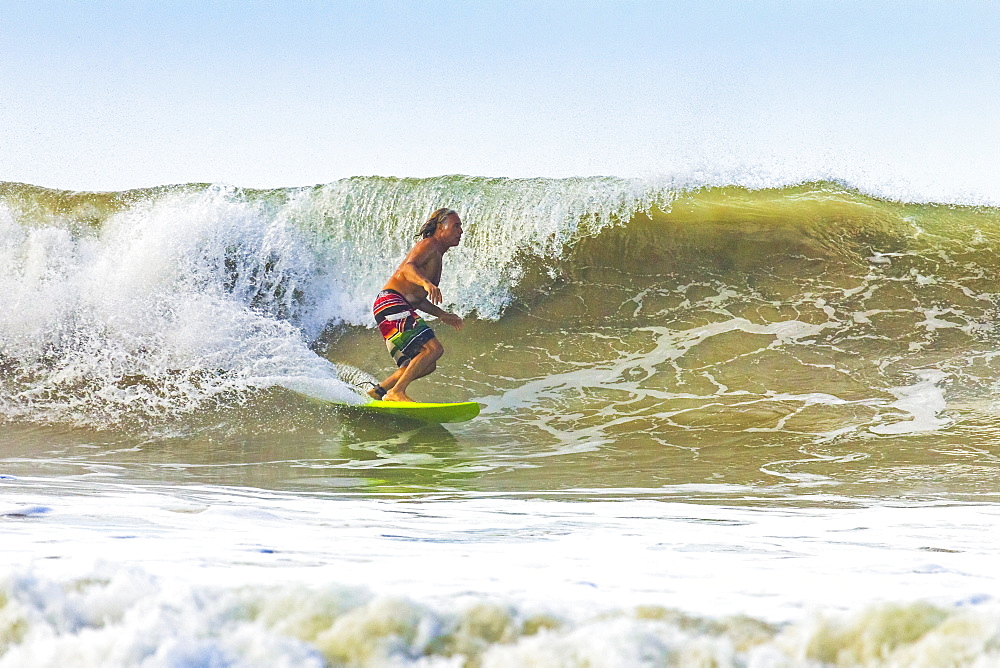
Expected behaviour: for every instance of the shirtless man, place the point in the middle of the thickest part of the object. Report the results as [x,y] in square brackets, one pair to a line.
[414,286]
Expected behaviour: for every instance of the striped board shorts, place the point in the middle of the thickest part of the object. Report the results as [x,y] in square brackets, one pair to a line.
[404,331]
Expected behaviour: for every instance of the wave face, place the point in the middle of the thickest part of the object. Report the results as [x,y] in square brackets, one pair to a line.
[160,302]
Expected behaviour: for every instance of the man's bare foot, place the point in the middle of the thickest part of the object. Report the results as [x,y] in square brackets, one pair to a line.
[376,392]
[392,395]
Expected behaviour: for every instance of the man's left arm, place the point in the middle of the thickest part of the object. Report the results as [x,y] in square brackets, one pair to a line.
[447,318]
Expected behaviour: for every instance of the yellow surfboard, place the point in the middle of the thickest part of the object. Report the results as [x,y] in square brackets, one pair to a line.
[455,412]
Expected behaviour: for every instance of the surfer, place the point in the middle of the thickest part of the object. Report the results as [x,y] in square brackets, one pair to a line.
[413,287]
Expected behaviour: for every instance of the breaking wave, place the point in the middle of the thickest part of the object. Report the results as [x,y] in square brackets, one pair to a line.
[154,303]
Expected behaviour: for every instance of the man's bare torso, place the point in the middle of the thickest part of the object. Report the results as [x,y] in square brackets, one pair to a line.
[429,265]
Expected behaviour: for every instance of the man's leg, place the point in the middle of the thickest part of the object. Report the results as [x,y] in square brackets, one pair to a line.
[387,384]
[391,381]
[422,364]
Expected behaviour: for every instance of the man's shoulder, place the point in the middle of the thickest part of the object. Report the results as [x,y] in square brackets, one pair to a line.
[426,248]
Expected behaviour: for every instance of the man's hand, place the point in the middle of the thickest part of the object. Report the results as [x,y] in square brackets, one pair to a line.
[453,320]
[433,293]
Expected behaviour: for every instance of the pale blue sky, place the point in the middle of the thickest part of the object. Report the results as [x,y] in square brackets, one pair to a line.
[107,95]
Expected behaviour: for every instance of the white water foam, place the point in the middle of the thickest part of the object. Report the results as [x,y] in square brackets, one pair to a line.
[172,303]
[924,401]
[174,576]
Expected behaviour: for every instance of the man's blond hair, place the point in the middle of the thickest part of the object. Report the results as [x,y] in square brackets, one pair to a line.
[435,219]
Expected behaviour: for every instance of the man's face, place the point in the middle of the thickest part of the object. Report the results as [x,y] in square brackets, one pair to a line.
[452,230]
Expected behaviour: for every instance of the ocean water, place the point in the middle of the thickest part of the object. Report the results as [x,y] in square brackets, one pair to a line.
[727,422]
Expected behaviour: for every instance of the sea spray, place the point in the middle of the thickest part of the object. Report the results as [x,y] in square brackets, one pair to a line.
[367,225]
[169,306]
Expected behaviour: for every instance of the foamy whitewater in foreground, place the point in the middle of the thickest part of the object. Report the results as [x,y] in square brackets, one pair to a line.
[725,423]
[206,576]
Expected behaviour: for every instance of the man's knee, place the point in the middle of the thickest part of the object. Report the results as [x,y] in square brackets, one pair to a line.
[434,349]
